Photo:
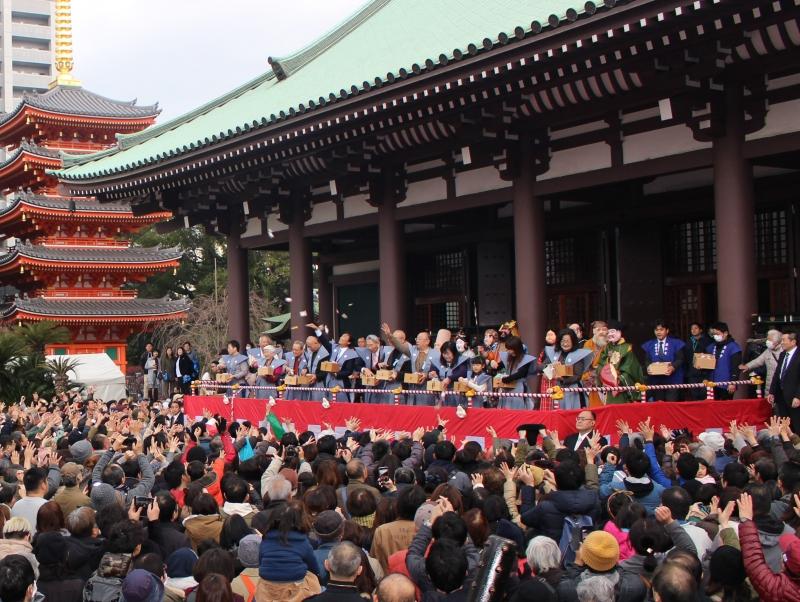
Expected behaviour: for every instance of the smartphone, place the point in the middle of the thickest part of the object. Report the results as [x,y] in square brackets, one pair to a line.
[142,501]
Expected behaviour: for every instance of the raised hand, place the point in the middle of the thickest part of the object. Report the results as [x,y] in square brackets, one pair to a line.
[745,504]
[647,431]
[418,434]
[492,432]
[623,427]
[665,432]
[663,515]
[442,422]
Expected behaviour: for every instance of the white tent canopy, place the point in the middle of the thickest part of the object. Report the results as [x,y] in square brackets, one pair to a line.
[97,370]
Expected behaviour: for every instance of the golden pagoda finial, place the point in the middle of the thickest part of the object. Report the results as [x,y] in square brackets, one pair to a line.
[63,51]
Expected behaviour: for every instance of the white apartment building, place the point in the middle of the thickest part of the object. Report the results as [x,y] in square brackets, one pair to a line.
[26,60]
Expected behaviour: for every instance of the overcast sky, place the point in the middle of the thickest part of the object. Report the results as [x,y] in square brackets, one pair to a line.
[181,53]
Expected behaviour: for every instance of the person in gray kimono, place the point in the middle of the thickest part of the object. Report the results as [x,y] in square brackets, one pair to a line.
[345,356]
[517,368]
[567,353]
[236,365]
[315,354]
[420,356]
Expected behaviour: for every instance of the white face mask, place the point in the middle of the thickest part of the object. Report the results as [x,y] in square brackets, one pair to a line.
[461,345]
[770,345]
[719,338]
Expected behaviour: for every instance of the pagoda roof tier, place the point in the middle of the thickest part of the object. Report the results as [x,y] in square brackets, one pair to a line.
[74,106]
[70,209]
[95,310]
[89,258]
[18,167]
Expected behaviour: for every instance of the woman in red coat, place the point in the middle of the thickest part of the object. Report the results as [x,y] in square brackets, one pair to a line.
[771,587]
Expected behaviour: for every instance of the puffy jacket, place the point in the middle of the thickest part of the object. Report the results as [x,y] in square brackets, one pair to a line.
[623,538]
[286,562]
[547,517]
[771,587]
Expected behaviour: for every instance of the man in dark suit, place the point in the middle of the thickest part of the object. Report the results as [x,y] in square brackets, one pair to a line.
[585,423]
[784,393]
[175,415]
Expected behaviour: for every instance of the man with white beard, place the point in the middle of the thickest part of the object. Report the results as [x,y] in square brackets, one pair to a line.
[595,344]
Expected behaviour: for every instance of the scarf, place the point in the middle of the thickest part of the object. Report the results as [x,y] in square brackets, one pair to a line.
[639,487]
[365,521]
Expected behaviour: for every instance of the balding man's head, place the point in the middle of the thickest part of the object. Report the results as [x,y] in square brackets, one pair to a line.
[395,588]
[356,469]
[673,583]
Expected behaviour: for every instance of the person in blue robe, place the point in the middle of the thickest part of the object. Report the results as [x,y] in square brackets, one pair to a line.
[236,365]
[664,349]
[567,352]
[350,363]
[270,358]
[448,366]
[295,366]
[480,381]
[315,354]
[420,355]
[518,368]
[729,356]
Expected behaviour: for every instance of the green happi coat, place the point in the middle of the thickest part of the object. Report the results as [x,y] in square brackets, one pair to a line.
[629,370]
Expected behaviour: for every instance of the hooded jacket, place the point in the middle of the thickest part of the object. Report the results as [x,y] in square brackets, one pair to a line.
[769,534]
[202,527]
[623,539]
[83,555]
[547,517]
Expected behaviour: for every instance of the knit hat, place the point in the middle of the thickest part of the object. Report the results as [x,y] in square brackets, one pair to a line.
[290,475]
[50,548]
[248,551]
[180,563]
[81,451]
[142,586]
[103,495]
[70,469]
[600,551]
[328,525]
[712,439]
[423,513]
[790,544]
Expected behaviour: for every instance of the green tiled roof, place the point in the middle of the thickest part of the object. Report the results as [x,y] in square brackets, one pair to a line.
[383,40]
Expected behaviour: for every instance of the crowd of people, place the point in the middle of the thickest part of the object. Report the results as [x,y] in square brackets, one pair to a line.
[449,368]
[136,501]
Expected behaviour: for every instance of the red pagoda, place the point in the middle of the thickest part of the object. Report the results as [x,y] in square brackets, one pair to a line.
[67,257]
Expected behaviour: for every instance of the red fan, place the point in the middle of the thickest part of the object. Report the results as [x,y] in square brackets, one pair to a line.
[609,376]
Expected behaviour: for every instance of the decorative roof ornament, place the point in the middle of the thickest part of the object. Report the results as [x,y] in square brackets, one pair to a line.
[63,54]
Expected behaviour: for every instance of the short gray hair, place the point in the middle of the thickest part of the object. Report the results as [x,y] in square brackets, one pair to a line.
[595,589]
[373,338]
[543,554]
[774,335]
[278,488]
[344,559]
[704,452]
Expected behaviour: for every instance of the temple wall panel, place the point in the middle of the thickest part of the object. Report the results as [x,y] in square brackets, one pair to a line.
[577,160]
[782,118]
[275,224]
[358,205]
[479,180]
[660,143]
[253,227]
[323,212]
[425,192]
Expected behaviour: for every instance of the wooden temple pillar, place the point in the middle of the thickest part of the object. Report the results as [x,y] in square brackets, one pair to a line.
[529,254]
[238,290]
[734,215]
[325,297]
[391,252]
[294,213]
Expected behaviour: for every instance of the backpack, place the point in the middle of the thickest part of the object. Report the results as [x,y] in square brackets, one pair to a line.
[576,527]
[102,589]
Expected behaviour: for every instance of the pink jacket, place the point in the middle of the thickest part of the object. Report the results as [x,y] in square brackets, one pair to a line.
[624,540]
